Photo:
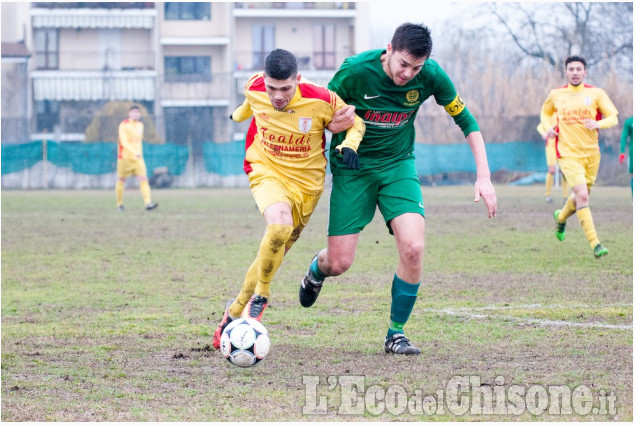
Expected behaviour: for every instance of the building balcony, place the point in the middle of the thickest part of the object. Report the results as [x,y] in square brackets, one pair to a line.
[94,85]
[78,18]
[215,91]
[93,5]
[294,10]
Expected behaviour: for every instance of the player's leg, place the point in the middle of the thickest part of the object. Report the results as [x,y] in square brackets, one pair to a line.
[122,172]
[401,204]
[352,206]
[565,187]
[550,153]
[144,186]
[574,172]
[583,212]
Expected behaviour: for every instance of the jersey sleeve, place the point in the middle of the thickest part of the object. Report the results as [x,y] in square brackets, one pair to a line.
[355,134]
[608,110]
[445,95]
[546,112]
[242,112]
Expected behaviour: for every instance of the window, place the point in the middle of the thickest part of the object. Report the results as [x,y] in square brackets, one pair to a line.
[188,68]
[47,115]
[324,46]
[46,48]
[187,11]
[262,37]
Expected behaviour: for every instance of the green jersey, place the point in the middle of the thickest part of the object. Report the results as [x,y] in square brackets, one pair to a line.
[389,110]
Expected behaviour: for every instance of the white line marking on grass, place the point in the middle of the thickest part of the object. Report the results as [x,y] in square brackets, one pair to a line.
[469,312]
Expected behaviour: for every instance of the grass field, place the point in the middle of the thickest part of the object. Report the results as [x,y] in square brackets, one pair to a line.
[109,316]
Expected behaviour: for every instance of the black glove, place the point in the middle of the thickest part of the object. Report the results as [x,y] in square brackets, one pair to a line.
[350,158]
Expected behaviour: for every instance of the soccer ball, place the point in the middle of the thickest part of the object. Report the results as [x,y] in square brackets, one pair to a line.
[244,342]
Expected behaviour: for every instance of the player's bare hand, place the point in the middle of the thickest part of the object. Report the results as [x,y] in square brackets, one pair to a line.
[591,124]
[483,188]
[343,119]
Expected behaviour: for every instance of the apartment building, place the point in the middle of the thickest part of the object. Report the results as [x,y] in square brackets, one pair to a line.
[185,62]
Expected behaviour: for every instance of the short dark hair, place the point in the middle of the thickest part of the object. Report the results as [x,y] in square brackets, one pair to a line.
[575,59]
[414,39]
[134,107]
[281,64]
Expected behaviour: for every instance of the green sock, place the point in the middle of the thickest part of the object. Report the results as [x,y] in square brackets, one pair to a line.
[316,272]
[404,295]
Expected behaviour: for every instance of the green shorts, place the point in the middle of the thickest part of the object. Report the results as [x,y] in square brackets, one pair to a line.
[354,198]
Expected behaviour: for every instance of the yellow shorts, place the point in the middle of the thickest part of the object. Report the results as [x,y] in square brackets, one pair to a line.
[268,190]
[580,170]
[131,167]
[550,152]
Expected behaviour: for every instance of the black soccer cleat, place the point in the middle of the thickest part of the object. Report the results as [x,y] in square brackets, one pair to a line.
[254,308]
[151,206]
[309,288]
[399,344]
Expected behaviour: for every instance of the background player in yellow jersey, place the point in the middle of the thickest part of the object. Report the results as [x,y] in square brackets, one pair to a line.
[550,154]
[130,158]
[286,165]
[579,109]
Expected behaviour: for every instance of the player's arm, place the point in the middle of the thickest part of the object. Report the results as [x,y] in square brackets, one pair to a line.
[343,118]
[124,140]
[608,110]
[456,108]
[546,118]
[242,112]
[483,186]
[354,135]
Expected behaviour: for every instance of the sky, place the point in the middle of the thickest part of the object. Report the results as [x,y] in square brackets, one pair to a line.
[385,16]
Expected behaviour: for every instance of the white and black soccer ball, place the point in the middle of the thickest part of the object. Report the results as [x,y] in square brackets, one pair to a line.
[244,342]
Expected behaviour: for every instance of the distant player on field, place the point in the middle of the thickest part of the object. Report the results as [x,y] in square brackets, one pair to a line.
[550,153]
[627,140]
[130,158]
[579,109]
[387,87]
[286,165]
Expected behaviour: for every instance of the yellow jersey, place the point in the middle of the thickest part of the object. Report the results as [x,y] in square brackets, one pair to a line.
[290,143]
[130,144]
[572,106]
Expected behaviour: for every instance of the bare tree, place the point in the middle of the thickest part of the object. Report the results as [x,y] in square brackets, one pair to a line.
[601,32]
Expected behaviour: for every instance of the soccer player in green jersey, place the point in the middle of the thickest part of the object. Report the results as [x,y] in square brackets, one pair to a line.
[387,87]
[627,139]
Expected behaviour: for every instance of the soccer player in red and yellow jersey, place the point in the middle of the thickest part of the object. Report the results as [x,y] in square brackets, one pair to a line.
[286,165]
[550,154]
[581,110]
[130,158]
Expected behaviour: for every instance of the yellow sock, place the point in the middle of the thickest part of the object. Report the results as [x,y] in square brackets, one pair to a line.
[144,187]
[119,192]
[548,184]
[249,284]
[586,222]
[568,209]
[270,255]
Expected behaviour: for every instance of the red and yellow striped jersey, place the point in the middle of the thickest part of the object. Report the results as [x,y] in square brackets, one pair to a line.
[130,144]
[289,143]
[572,106]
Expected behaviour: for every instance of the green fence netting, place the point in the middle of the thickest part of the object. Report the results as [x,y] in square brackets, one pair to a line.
[90,158]
[226,159]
